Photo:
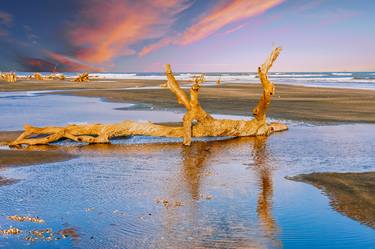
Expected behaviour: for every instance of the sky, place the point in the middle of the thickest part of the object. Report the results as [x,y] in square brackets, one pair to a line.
[193,36]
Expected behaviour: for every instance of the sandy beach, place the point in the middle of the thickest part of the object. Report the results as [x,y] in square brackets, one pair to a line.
[187,124]
[350,193]
[310,105]
[306,104]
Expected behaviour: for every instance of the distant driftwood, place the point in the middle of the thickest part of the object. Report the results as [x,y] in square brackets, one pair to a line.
[196,79]
[53,76]
[9,77]
[196,121]
[83,77]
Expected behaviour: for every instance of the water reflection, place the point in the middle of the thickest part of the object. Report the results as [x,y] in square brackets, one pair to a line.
[122,181]
[202,221]
[194,162]
[192,226]
[263,169]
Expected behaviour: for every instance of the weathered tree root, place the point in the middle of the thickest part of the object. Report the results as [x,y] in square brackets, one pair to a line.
[83,77]
[196,121]
[8,77]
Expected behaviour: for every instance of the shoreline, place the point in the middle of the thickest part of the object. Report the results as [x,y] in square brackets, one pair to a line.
[314,105]
[234,99]
[19,158]
[351,194]
[295,103]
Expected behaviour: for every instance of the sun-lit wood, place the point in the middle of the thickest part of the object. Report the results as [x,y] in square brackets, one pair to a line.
[83,77]
[8,77]
[196,121]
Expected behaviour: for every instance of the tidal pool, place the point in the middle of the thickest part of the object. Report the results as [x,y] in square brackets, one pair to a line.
[145,192]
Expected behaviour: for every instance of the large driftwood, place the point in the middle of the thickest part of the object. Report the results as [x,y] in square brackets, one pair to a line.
[196,121]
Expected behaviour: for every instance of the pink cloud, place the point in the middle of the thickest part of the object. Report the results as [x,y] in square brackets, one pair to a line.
[229,31]
[221,15]
[109,29]
[70,64]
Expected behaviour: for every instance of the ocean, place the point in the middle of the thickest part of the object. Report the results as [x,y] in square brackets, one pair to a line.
[351,80]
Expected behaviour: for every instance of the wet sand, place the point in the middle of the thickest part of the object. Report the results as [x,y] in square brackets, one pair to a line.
[311,104]
[350,193]
[291,102]
[6,181]
[8,136]
[33,85]
[10,158]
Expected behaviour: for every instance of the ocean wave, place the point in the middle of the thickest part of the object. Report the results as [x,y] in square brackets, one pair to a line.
[296,75]
[112,75]
[186,75]
[342,74]
[327,80]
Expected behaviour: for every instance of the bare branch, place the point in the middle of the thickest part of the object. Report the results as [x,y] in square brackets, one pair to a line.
[173,85]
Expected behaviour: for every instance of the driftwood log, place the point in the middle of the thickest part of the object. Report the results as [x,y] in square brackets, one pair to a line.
[53,76]
[8,77]
[196,121]
[83,77]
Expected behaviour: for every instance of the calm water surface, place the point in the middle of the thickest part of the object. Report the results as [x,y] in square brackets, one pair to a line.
[222,194]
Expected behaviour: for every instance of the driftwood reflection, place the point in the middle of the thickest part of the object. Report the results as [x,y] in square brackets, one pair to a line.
[263,169]
[194,161]
[196,165]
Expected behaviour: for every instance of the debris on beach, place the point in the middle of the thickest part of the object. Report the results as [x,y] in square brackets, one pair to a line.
[10,231]
[25,218]
[199,79]
[38,76]
[53,76]
[83,77]
[206,197]
[69,232]
[166,203]
[47,234]
[9,77]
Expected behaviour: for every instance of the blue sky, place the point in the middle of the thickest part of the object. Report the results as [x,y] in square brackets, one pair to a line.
[201,35]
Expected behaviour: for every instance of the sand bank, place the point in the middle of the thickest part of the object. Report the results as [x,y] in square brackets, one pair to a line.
[350,193]
[10,158]
[291,102]
[312,104]
[23,158]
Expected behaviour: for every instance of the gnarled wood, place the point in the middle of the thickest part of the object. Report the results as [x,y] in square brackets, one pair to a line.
[9,77]
[83,77]
[196,121]
[53,76]
[38,76]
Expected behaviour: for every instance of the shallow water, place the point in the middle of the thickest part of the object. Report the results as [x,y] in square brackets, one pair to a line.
[233,192]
